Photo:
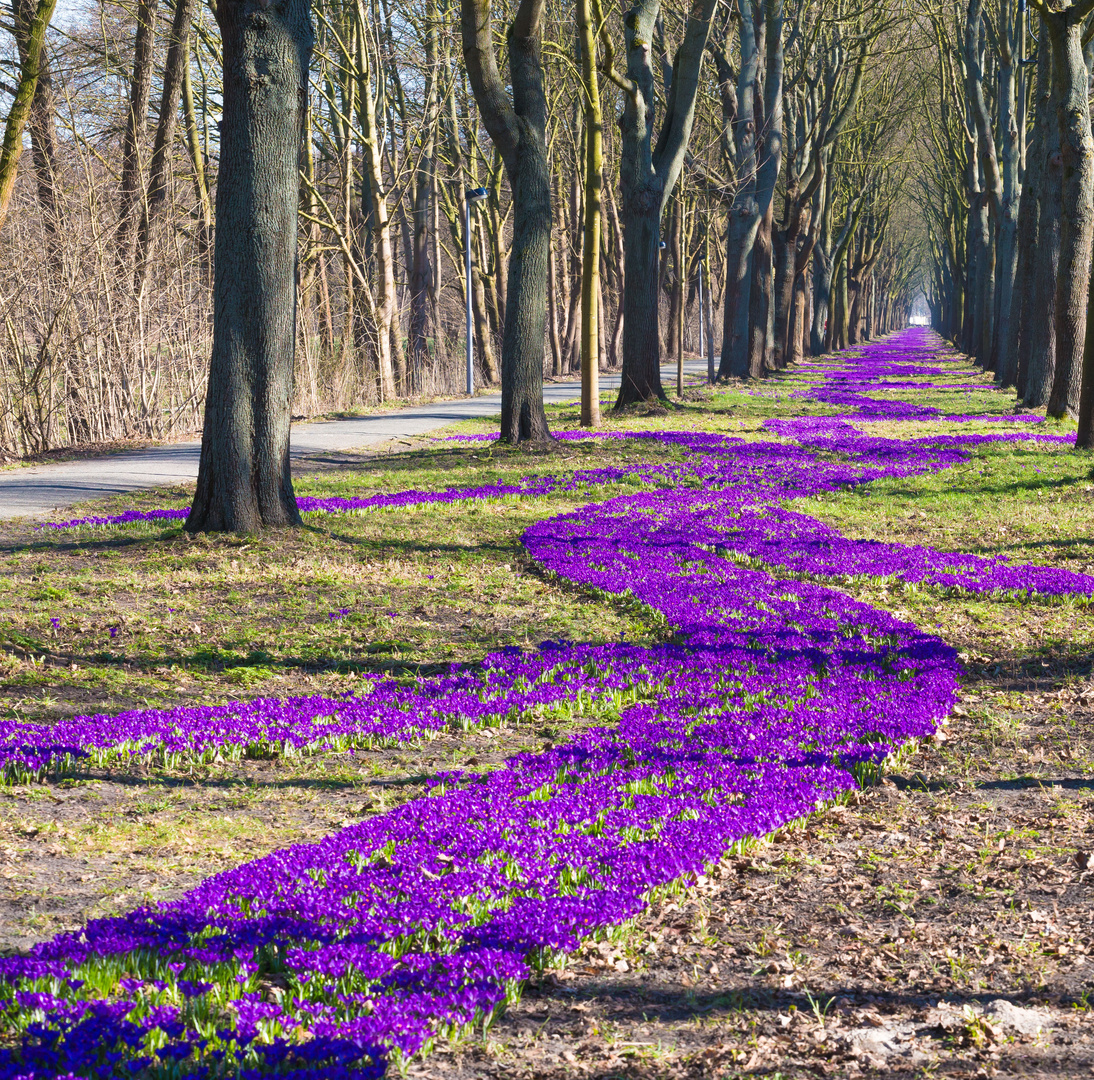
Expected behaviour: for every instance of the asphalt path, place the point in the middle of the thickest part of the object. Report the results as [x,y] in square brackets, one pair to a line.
[39,490]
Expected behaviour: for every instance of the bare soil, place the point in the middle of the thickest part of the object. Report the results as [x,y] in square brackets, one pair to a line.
[878,940]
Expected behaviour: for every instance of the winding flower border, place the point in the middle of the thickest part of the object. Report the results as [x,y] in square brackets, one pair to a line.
[326,959]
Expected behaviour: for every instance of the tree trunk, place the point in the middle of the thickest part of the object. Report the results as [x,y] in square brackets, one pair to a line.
[1070,80]
[40,122]
[201,186]
[244,479]
[23,103]
[1006,253]
[783,248]
[422,267]
[790,263]
[822,266]
[591,311]
[641,203]
[769,124]
[553,300]
[641,348]
[136,124]
[856,290]
[985,281]
[522,414]
[1014,366]
[391,364]
[615,347]
[744,214]
[672,257]
[1042,356]
[484,334]
[178,54]
[518,130]
[799,318]
[760,299]
[647,176]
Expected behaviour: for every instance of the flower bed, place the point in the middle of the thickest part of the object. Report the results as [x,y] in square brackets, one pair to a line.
[773,696]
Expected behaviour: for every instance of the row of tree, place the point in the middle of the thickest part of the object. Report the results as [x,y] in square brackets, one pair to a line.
[759,166]
[1007,191]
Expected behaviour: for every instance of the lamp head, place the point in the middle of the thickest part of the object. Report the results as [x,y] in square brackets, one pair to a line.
[474,195]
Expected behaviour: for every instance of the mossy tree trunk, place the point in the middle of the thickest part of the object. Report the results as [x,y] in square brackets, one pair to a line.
[30,56]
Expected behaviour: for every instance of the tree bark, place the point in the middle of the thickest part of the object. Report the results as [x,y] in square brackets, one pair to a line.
[1014,366]
[390,361]
[244,479]
[594,208]
[647,176]
[201,186]
[770,128]
[136,124]
[1042,357]
[518,130]
[178,54]
[29,66]
[40,122]
[745,213]
[422,267]
[1006,255]
[760,300]
[822,266]
[1070,81]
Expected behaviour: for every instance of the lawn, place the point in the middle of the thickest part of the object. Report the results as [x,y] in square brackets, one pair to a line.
[873,934]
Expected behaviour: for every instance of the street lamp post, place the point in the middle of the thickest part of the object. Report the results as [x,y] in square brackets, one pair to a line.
[472,195]
[702,350]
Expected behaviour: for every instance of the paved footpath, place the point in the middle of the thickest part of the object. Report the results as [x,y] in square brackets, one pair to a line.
[40,489]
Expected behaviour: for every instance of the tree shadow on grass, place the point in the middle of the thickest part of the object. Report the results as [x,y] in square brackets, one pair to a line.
[153,779]
[1042,671]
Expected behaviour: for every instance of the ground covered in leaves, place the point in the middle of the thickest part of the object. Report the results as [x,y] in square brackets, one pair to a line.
[942,923]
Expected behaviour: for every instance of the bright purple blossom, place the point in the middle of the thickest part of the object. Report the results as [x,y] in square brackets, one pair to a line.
[768,700]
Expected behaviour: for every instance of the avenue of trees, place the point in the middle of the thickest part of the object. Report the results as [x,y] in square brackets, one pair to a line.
[1007,193]
[283,188]
[736,171]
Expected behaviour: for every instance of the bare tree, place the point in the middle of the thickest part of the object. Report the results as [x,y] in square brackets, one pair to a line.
[518,129]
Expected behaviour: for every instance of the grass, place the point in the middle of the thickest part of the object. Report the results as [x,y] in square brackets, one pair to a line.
[211,619]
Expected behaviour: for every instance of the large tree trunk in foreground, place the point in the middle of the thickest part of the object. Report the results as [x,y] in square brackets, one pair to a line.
[518,129]
[244,482]
[641,377]
[745,212]
[522,414]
